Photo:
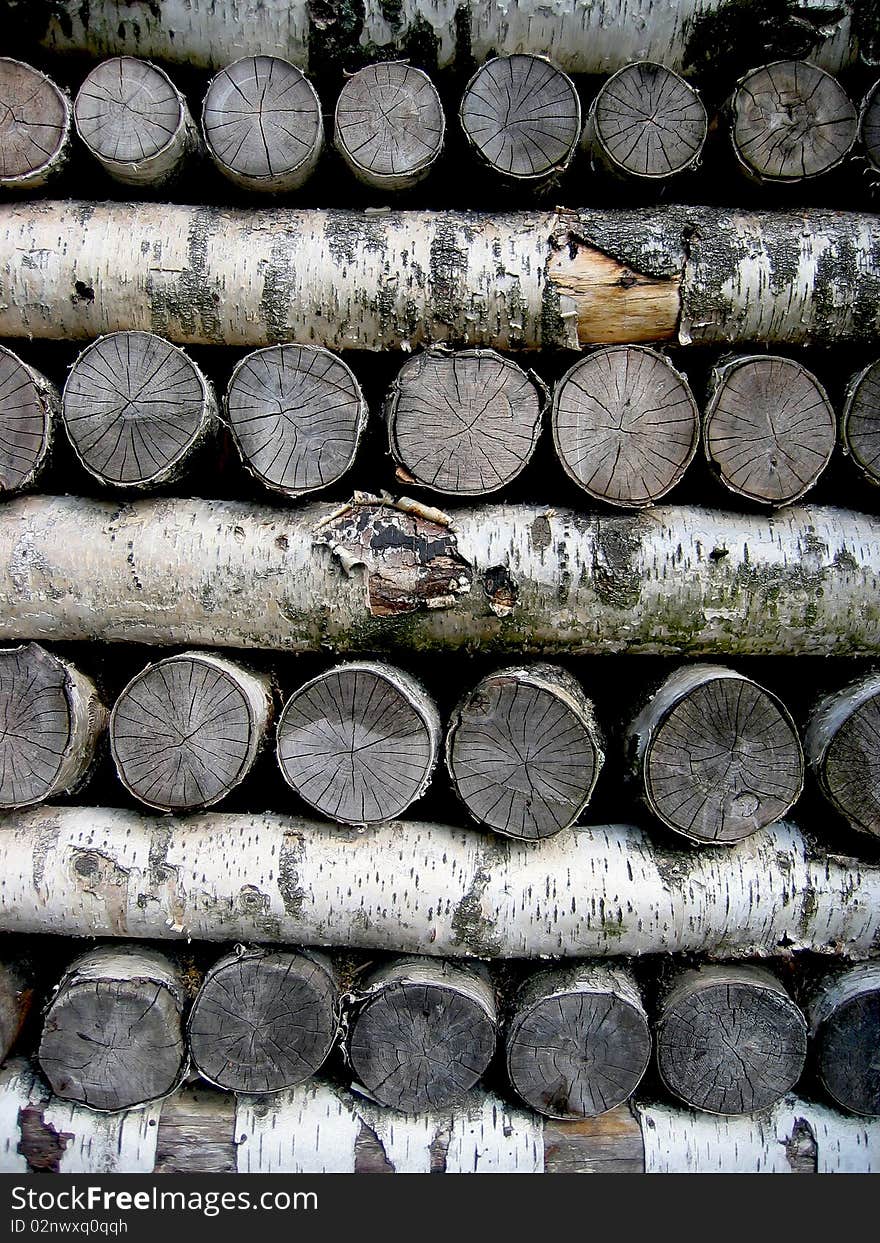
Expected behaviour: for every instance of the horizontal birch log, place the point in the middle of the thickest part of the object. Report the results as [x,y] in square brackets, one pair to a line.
[584,38]
[514,578]
[390,280]
[414,888]
[319,1128]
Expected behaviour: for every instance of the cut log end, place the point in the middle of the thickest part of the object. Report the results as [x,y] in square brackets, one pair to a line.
[389,125]
[34,126]
[625,425]
[135,409]
[523,116]
[718,756]
[186,731]
[860,427]
[523,752]
[297,414]
[841,746]
[465,423]
[730,1040]
[646,123]
[791,121]
[359,743]
[845,1021]
[29,405]
[422,1034]
[769,429]
[869,126]
[579,1043]
[262,122]
[263,1021]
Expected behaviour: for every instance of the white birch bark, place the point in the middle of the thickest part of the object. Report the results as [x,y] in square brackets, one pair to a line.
[515,578]
[427,889]
[392,280]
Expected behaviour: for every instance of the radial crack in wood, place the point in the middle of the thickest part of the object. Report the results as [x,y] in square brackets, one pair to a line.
[34,127]
[844,1014]
[186,730]
[869,125]
[842,744]
[860,425]
[359,743]
[29,410]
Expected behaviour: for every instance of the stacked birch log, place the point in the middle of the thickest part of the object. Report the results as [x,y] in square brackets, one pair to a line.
[351,820]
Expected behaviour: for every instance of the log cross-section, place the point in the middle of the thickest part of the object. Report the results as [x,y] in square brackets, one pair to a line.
[34,127]
[29,409]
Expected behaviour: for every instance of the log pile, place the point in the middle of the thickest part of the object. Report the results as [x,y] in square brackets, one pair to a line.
[413,748]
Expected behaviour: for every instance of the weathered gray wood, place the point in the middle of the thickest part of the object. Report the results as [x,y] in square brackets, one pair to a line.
[186,730]
[135,122]
[421,1033]
[136,409]
[359,743]
[34,126]
[297,414]
[729,1039]
[16,996]
[522,116]
[462,423]
[769,429]
[844,1014]
[860,424]
[869,125]
[51,720]
[625,425]
[791,121]
[112,1035]
[646,123]
[577,1042]
[262,122]
[29,409]
[524,751]
[263,1021]
[389,125]
[717,756]
[842,746]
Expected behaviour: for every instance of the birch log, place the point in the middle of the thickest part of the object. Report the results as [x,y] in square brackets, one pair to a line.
[578,1042]
[869,126]
[112,1034]
[584,38]
[514,578]
[34,127]
[29,410]
[716,755]
[16,996]
[51,721]
[844,1016]
[841,744]
[860,425]
[524,751]
[420,1033]
[413,888]
[729,1039]
[398,279]
[263,1021]
[321,1128]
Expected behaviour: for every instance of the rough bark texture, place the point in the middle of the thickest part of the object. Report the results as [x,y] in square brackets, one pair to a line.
[263,1021]
[51,721]
[860,426]
[717,757]
[420,1034]
[842,751]
[319,1128]
[646,123]
[844,1016]
[791,121]
[389,125]
[262,122]
[186,730]
[359,743]
[578,1042]
[29,410]
[135,122]
[625,425]
[428,889]
[524,751]
[398,279]
[112,1034]
[34,127]
[514,578]
[16,996]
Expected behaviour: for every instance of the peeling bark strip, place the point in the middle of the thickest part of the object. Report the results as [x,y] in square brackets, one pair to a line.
[112,1035]
[29,409]
[34,127]
[393,280]
[415,888]
[844,1018]
[841,747]
[511,578]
